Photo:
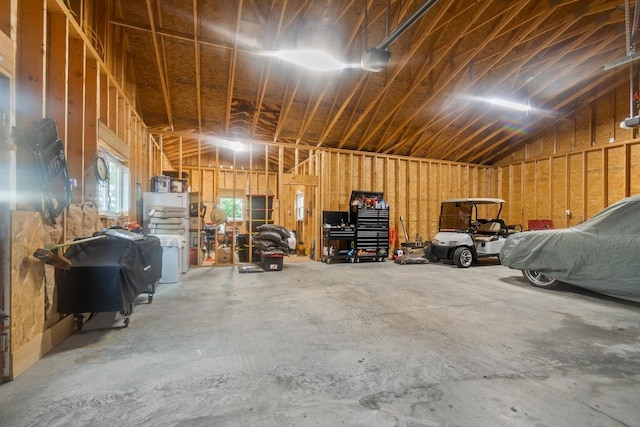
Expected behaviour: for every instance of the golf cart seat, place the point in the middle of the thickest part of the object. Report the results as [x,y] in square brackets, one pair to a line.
[488,231]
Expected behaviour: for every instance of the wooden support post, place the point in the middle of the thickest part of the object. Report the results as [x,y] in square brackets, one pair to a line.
[75,136]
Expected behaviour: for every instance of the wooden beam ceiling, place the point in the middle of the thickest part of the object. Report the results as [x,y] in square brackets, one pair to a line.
[204,62]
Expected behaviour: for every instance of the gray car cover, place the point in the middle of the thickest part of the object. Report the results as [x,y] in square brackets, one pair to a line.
[601,254]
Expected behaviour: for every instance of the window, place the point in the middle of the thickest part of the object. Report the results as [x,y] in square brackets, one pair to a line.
[114,195]
[233,207]
[299,206]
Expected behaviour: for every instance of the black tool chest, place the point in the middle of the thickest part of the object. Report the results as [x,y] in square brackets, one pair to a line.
[362,233]
[371,233]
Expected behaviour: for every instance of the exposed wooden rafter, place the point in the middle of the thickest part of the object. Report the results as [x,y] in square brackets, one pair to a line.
[549,52]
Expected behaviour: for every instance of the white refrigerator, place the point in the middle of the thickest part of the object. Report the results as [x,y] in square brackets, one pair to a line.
[151,200]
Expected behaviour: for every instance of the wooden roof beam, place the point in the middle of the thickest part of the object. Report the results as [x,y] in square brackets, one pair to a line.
[232,67]
[160,64]
[198,70]
[582,91]
[523,36]
[403,62]
[515,9]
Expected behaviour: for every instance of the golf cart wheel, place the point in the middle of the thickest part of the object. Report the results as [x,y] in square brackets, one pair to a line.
[538,279]
[463,257]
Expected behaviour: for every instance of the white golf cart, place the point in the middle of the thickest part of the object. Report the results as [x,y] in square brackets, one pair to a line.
[470,228]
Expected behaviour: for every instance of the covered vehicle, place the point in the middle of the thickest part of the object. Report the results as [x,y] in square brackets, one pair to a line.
[601,254]
[469,228]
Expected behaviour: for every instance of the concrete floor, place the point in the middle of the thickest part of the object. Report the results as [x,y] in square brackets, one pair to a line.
[368,344]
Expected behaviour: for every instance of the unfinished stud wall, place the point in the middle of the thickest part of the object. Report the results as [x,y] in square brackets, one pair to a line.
[576,166]
[61,73]
[412,187]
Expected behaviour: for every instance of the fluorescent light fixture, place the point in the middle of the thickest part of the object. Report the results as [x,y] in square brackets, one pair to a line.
[509,104]
[226,143]
[315,60]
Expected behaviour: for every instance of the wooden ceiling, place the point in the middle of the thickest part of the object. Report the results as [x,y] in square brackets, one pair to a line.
[200,71]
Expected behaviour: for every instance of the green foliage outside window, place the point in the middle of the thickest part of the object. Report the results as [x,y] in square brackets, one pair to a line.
[232,206]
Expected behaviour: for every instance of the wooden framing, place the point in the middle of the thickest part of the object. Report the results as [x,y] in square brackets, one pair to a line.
[329,176]
[579,162]
[581,183]
[59,74]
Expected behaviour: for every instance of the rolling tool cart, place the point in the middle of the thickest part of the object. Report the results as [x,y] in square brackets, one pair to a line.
[107,275]
[370,217]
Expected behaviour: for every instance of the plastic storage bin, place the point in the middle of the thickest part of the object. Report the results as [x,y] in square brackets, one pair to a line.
[171,257]
[272,262]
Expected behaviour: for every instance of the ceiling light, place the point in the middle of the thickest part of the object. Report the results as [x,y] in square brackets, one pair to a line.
[315,60]
[510,104]
[226,143]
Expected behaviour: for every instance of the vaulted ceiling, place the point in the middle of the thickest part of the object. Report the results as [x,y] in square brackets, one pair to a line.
[200,70]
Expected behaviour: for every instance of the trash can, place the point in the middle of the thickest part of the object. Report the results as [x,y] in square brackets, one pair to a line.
[242,246]
[171,256]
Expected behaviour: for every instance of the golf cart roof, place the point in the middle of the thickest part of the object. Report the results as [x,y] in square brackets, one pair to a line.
[475,200]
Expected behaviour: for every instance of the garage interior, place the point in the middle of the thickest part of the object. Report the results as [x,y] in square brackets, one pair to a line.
[533,102]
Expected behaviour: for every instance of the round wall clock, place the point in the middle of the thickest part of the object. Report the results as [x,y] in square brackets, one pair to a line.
[101,168]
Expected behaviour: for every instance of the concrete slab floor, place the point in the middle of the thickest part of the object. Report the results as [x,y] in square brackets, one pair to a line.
[368,344]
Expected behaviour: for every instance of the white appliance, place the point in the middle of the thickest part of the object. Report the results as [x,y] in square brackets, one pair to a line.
[151,201]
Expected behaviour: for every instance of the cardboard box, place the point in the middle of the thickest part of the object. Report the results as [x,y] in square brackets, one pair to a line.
[195,223]
[178,185]
[161,184]
[223,254]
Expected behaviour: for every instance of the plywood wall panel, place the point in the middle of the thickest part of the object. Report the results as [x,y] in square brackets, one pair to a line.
[530,193]
[445,181]
[423,198]
[594,184]
[536,146]
[413,196]
[582,128]
[622,111]
[616,161]
[604,126]
[368,173]
[208,189]
[516,207]
[433,199]
[549,142]
[27,278]
[559,202]
[387,182]
[543,189]
[412,187]
[634,170]
[465,186]
[346,179]
[331,187]
[576,188]
[456,179]
[566,136]
[402,193]
[356,170]
[504,184]
[379,177]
